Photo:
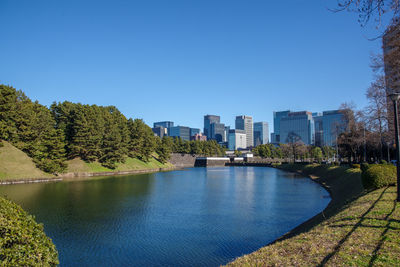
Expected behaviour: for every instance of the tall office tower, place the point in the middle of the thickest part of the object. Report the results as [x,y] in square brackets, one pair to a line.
[333,124]
[275,136]
[159,131]
[246,123]
[165,124]
[208,119]
[236,139]
[261,133]
[217,132]
[297,126]
[180,131]
[319,129]
[227,128]
[194,131]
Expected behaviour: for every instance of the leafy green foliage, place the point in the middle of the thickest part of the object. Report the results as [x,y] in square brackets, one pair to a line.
[356,166]
[364,166]
[22,240]
[378,176]
[316,154]
[30,127]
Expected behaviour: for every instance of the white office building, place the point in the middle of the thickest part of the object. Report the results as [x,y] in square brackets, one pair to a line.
[237,139]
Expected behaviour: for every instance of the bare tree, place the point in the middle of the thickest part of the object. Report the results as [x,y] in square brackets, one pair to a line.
[376,111]
[351,140]
[368,9]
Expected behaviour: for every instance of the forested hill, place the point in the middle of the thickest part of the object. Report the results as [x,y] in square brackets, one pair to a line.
[51,136]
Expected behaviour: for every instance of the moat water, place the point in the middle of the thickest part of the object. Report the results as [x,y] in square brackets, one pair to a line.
[194,217]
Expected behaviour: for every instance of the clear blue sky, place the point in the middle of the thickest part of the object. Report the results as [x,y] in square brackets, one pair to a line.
[179,60]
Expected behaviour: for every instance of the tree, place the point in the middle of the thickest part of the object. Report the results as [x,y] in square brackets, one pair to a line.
[352,138]
[367,9]
[376,111]
[316,154]
[164,149]
[142,141]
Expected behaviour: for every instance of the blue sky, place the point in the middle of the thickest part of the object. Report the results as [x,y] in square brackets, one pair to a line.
[179,60]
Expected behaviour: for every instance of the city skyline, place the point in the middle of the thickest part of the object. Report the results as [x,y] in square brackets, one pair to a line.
[143,60]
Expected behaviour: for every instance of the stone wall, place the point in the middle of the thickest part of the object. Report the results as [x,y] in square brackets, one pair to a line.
[182,160]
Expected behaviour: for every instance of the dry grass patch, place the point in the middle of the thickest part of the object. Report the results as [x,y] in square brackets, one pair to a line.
[365,233]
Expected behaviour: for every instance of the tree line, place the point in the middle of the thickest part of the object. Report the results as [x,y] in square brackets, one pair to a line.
[51,136]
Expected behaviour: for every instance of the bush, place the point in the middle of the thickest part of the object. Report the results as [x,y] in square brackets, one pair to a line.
[356,166]
[22,240]
[275,164]
[364,166]
[378,176]
[336,163]
[383,161]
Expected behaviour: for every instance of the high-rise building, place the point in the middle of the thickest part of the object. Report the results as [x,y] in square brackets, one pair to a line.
[319,129]
[194,131]
[227,128]
[261,133]
[217,132]
[165,124]
[333,124]
[297,126]
[160,131]
[275,136]
[245,123]
[208,120]
[237,139]
[180,131]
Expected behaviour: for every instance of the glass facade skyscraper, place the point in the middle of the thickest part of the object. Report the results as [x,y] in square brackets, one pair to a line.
[194,131]
[217,132]
[275,136]
[261,133]
[165,124]
[333,124]
[180,131]
[208,120]
[320,129]
[297,126]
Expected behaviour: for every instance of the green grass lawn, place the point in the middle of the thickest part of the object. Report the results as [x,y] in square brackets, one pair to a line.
[362,232]
[78,165]
[15,164]
[365,233]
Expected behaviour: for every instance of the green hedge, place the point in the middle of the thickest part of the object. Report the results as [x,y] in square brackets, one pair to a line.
[379,175]
[22,240]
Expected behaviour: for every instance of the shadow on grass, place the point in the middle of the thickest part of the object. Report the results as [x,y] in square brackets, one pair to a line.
[383,235]
[358,224]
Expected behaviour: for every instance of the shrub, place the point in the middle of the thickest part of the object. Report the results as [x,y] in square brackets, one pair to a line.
[378,176]
[275,164]
[336,163]
[356,166]
[364,166]
[383,161]
[22,240]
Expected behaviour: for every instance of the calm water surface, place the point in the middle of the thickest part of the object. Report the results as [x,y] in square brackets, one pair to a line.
[195,217]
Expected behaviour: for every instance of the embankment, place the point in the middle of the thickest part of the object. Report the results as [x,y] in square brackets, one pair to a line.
[356,229]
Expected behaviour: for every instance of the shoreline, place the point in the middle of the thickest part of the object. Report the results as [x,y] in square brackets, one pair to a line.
[339,201]
[334,206]
[73,175]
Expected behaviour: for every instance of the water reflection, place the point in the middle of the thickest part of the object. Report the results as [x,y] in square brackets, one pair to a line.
[196,217]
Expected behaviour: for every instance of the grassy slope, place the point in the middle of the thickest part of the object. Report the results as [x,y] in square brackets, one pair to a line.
[15,164]
[364,232]
[78,165]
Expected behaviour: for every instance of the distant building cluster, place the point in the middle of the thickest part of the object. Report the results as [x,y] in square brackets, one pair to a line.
[320,129]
